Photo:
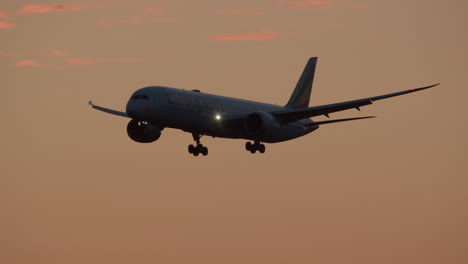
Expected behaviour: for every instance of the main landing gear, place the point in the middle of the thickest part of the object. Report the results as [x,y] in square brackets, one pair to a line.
[254,147]
[199,148]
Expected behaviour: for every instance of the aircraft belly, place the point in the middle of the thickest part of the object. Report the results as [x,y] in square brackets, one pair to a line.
[279,134]
[284,133]
[194,117]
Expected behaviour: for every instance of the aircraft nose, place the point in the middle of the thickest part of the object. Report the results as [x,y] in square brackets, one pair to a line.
[138,107]
[132,109]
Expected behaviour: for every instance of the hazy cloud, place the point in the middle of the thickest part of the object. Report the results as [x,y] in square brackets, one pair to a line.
[59,53]
[110,22]
[149,14]
[10,54]
[79,61]
[335,26]
[240,12]
[64,60]
[358,6]
[86,61]
[27,63]
[323,3]
[6,24]
[154,9]
[48,8]
[305,3]
[158,15]
[4,15]
[262,35]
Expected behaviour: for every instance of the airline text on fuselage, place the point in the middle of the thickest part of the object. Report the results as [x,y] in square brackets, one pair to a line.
[194,100]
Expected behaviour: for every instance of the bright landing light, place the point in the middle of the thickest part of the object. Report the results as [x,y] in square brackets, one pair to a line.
[218,117]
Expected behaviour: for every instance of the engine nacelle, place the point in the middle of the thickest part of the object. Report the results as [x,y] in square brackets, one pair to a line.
[260,124]
[143,132]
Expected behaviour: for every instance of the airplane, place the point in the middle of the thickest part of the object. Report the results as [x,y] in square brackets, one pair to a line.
[153,108]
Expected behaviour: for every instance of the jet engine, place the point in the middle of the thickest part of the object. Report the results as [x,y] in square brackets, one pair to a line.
[142,131]
[260,123]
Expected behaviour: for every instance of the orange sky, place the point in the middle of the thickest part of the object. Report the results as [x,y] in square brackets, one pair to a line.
[75,189]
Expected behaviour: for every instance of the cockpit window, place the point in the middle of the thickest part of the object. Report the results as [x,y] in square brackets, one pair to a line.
[139,96]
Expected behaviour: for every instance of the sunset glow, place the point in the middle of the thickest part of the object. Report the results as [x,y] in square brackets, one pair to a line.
[262,35]
[27,63]
[76,189]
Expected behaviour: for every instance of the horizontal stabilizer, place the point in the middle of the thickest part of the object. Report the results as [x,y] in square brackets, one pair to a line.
[339,120]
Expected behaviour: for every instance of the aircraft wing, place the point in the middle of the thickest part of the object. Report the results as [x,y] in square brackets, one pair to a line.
[107,110]
[291,115]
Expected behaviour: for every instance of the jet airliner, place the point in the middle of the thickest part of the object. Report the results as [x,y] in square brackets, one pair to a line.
[153,108]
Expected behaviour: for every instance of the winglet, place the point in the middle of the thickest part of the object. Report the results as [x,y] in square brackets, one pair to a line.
[107,110]
[424,88]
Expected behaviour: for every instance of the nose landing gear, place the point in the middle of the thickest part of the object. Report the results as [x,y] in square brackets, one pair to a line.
[198,148]
[254,147]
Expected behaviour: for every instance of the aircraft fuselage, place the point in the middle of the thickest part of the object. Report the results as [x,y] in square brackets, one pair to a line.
[202,113]
[154,108]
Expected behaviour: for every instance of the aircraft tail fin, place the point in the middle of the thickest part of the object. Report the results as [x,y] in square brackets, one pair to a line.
[301,96]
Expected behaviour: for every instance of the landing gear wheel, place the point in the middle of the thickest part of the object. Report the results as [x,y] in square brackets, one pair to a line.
[261,148]
[204,151]
[254,147]
[199,148]
[191,149]
[248,146]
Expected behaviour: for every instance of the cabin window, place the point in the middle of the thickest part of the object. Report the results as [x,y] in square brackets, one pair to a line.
[138,96]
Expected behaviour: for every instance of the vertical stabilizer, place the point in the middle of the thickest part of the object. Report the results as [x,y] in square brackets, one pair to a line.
[301,95]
